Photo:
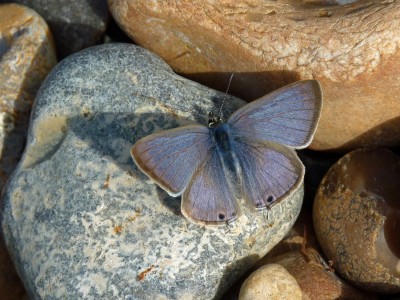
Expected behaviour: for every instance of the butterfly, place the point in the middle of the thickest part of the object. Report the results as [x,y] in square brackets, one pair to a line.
[251,156]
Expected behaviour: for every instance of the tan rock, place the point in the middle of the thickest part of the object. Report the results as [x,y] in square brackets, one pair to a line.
[27,55]
[356,218]
[315,277]
[351,49]
[272,282]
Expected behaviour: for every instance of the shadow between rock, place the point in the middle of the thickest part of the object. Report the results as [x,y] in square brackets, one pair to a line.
[237,269]
[389,130]
[246,85]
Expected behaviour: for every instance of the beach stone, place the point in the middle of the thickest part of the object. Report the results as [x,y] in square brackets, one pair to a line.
[352,50]
[301,234]
[84,223]
[27,55]
[316,279]
[356,218]
[270,282]
[75,24]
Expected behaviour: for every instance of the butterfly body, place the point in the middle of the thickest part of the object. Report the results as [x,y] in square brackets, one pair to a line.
[225,147]
[250,157]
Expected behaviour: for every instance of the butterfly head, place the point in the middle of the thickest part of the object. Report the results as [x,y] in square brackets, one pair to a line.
[214,120]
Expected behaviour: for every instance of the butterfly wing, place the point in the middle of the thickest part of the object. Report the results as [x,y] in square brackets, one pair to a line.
[270,172]
[208,198]
[287,116]
[171,157]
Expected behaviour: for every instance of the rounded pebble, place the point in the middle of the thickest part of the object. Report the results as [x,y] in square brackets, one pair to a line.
[272,282]
[357,218]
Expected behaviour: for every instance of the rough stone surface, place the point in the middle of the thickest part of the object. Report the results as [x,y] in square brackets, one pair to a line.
[353,50]
[75,24]
[96,227]
[270,282]
[356,218]
[26,56]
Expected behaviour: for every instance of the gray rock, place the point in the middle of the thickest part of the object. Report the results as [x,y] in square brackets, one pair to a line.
[75,24]
[82,222]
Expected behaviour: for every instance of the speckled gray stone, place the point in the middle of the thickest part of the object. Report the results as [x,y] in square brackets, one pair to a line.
[82,222]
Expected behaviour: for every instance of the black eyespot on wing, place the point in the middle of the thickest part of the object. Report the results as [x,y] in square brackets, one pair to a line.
[270,199]
[258,204]
[221,216]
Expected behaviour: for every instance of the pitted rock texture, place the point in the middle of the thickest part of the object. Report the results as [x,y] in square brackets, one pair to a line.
[356,217]
[352,49]
[96,227]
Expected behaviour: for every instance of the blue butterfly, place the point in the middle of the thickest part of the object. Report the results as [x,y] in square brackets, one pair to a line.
[251,156]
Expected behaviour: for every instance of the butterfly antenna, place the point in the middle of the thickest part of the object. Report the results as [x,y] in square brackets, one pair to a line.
[226,94]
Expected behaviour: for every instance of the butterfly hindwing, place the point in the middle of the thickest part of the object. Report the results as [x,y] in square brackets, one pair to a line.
[287,116]
[171,157]
[208,198]
[270,172]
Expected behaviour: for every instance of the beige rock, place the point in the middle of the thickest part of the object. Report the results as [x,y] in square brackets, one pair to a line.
[27,55]
[353,50]
[272,282]
[298,254]
[356,218]
[316,278]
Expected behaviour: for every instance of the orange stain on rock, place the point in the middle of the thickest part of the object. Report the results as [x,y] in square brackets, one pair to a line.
[118,229]
[143,274]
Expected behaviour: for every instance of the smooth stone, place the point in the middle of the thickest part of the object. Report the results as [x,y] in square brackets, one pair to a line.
[96,227]
[298,253]
[356,218]
[351,49]
[272,282]
[316,279]
[75,24]
[27,55]
[300,235]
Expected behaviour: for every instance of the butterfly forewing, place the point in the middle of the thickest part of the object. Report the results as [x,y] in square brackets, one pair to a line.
[208,197]
[171,157]
[286,116]
[270,172]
